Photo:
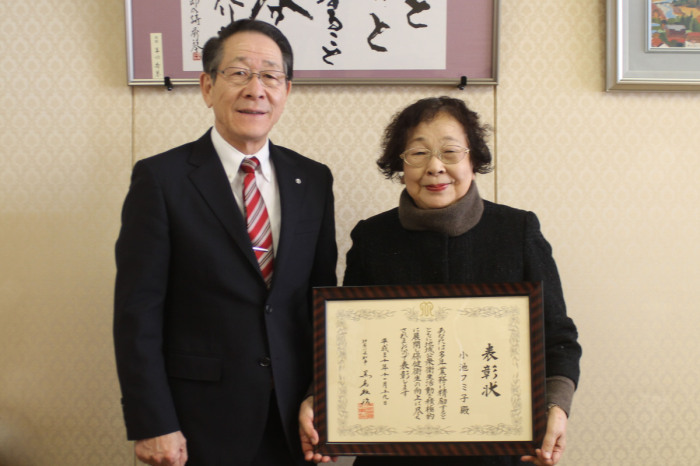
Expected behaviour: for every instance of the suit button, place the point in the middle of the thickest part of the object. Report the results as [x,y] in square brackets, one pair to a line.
[264,362]
[268,309]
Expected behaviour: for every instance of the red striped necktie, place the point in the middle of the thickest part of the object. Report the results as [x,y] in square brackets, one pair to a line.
[258,221]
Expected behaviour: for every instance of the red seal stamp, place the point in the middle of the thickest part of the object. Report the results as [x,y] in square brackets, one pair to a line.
[365,411]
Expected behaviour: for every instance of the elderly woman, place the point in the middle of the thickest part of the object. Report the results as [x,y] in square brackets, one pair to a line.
[443,232]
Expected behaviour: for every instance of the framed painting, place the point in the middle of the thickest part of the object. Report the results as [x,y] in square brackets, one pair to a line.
[673,26]
[653,45]
[432,370]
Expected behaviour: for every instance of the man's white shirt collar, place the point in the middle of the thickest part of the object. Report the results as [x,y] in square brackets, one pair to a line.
[231,157]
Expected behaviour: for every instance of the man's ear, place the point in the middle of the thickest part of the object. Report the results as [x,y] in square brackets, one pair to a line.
[205,85]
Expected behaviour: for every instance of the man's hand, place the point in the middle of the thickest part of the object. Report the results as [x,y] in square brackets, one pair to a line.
[308,434]
[554,441]
[166,450]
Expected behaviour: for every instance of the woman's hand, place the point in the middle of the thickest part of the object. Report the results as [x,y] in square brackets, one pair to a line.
[554,441]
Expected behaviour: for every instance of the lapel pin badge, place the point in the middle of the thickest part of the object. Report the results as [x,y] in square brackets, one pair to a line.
[298,181]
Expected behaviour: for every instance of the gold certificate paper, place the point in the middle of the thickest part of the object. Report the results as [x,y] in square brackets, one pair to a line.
[429,370]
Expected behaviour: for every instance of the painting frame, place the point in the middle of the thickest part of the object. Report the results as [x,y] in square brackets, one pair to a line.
[340,311]
[630,66]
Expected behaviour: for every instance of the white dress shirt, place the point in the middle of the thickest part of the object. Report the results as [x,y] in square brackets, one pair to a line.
[265,178]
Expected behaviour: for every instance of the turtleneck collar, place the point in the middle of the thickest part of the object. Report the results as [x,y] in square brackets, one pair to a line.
[454,220]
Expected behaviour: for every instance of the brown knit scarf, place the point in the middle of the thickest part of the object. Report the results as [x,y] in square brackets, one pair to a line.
[455,219]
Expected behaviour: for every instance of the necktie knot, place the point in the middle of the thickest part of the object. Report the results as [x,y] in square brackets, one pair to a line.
[249,164]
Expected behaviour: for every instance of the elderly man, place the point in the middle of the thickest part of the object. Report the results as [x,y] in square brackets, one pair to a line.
[222,240]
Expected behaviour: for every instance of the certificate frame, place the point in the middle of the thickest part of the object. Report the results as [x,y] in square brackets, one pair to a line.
[632,66]
[343,310]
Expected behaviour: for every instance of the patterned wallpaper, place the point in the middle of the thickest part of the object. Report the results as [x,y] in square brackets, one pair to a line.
[65,115]
[611,176]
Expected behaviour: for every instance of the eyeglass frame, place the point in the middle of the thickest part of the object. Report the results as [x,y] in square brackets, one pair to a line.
[438,154]
[250,73]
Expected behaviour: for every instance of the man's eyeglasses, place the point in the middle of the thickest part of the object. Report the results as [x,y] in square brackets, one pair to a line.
[419,157]
[242,76]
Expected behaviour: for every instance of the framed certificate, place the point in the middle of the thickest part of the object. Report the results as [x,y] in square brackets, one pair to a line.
[429,370]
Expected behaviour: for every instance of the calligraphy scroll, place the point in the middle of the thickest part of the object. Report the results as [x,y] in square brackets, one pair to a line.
[357,41]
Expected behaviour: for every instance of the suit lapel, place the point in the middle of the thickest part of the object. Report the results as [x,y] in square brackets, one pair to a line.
[292,183]
[210,180]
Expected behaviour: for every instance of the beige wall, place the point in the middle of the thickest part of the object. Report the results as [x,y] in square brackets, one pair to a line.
[611,176]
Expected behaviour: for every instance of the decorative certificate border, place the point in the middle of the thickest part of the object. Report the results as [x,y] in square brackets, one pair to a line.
[630,63]
[429,370]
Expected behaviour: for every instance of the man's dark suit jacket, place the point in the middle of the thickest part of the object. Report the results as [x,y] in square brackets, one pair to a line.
[199,338]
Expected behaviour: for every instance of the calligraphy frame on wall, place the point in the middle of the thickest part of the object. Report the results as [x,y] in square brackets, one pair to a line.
[457,45]
[632,65]
[429,370]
